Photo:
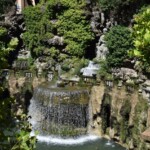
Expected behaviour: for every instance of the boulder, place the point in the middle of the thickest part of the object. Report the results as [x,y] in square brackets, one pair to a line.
[147,83]
[56,40]
[124,73]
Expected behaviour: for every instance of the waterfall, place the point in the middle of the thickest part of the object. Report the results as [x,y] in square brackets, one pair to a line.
[59,111]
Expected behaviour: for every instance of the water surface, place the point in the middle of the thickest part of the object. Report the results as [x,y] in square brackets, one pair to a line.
[83,143]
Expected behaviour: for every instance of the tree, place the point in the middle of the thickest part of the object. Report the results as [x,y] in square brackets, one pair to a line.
[5,4]
[119,42]
[115,4]
[14,130]
[141,34]
[76,31]
[71,24]
[121,11]
[110,4]
[6,45]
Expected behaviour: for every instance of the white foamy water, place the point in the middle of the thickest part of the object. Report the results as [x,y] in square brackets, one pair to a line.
[66,141]
[108,143]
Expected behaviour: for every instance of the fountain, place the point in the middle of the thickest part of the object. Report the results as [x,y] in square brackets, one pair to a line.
[59,111]
[61,116]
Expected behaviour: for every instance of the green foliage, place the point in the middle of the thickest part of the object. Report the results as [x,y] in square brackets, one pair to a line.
[125,110]
[119,42]
[14,135]
[139,120]
[3,33]
[23,139]
[5,46]
[124,131]
[109,4]
[37,25]
[5,4]
[74,65]
[54,52]
[113,4]
[125,113]
[141,33]
[76,31]
[116,4]
[103,71]
[79,64]
[13,43]
[70,23]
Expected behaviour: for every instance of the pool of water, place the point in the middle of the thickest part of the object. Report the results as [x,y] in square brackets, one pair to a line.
[82,143]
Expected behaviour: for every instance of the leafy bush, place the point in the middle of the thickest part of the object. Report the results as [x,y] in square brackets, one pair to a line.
[76,31]
[109,4]
[6,45]
[119,42]
[74,65]
[141,33]
[14,129]
[103,70]
[70,23]
[139,120]
[13,43]
[13,135]
[5,4]
[37,26]
[117,4]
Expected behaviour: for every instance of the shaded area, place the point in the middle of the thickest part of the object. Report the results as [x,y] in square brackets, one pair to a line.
[106,112]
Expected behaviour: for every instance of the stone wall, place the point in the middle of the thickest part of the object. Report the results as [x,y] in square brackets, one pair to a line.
[120,115]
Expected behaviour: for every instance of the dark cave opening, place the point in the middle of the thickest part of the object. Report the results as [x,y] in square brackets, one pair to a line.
[28,95]
[90,52]
[106,112]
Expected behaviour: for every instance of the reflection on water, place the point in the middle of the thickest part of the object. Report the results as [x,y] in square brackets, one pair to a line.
[82,143]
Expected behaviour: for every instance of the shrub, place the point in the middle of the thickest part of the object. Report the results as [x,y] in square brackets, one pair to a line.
[141,33]
[71,24]
[119,42]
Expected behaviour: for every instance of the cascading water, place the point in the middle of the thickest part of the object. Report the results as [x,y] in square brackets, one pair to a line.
[59,111]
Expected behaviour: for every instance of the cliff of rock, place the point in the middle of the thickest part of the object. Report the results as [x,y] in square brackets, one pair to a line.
[120,115]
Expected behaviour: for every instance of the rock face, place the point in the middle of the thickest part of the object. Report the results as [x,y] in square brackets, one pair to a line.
[56,40]
[125,73]
[146,90]
[95,20]
[115,113]
[146,135]
[14,22]
[95,103]
[21,88]
[24,54]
